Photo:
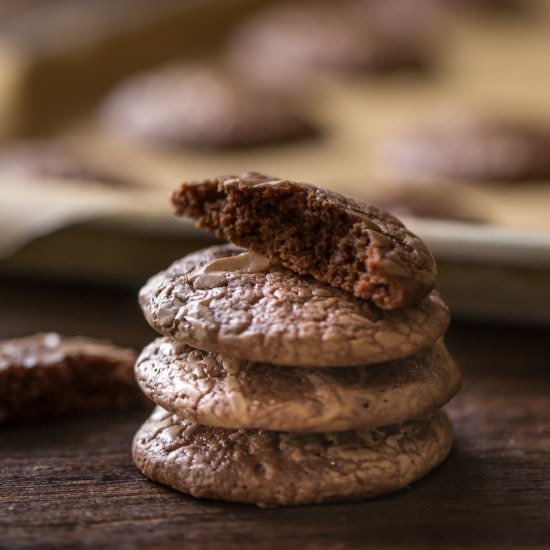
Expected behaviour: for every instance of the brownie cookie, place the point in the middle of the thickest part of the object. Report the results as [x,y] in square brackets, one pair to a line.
[489,6]
[223,299]
[476,150]
[283,469]
[47,375]
[53,160]
[311,231]
[218,390]
[297,41]
[202,107]
[427,201]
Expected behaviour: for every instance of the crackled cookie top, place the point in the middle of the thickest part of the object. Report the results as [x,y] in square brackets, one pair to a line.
[47,374]
[281,469]
[226,300]
[311,231]
[218,390]
[202,107]
[476,149]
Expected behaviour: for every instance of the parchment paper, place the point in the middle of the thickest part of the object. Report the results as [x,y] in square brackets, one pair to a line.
[501,67]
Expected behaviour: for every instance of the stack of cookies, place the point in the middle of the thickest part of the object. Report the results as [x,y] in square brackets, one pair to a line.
[306,367]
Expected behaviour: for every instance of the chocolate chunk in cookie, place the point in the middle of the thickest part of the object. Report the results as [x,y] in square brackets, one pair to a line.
[226,300]
[219,390]
[48,375]
[283,469]
[476,149]
[203,107]
[311,231]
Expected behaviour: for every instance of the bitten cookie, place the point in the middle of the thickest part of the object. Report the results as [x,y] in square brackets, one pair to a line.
[47,375]
[217,390]
[282,469]
[226,300]
[312,231]
[475,149]
[202,107]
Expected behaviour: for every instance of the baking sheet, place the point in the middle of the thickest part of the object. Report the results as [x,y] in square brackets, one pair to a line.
[496,269]
[501,68]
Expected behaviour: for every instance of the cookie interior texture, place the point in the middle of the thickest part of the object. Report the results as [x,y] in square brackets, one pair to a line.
[282,469]
[46,375]
[218,390]
[310,231]
[218,299]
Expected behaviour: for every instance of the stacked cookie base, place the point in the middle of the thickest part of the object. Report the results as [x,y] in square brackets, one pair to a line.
[330,426]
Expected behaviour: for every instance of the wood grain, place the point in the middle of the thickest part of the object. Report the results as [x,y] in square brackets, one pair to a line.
[71,483]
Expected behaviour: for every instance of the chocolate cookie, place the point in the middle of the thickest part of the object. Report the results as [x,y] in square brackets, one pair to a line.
[476,150]
[218,390]
[311,231]
[47,375]
[202,107]
[283,469]
[224,300]
[303,39]
[433,202]
[498,7]
[53,160]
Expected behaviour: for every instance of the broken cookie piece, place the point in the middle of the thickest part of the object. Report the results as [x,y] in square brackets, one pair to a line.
[311,231]
[47,375]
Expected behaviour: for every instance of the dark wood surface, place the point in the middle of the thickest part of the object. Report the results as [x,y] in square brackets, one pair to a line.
[71,482]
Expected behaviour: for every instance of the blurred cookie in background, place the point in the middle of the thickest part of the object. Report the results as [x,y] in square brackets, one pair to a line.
[203,107]
[488,7]
[475,148]
[429,201]
[47,375]
[295,41]
[54,160]
[11,9]
[59,57]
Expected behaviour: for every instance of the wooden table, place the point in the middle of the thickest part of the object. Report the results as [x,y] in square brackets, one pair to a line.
[72,482]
